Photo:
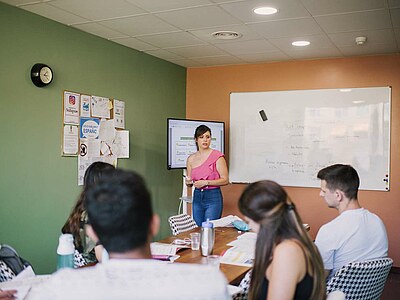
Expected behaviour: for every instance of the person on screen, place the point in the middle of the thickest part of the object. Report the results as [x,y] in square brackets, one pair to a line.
[356,234]
[77,219]
[121,215]
[287,264]
[207,171]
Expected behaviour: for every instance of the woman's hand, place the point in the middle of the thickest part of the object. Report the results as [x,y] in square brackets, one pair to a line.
[6,295]
[200,184]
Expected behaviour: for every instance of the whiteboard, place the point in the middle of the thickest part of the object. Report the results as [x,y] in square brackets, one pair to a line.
[307,130]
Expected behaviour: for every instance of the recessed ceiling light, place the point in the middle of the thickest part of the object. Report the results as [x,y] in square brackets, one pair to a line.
[226,35]
[265,10]
[345,90]
[301,43]
[358,101]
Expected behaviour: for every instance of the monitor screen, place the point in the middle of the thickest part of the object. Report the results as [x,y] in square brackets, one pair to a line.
[181,139]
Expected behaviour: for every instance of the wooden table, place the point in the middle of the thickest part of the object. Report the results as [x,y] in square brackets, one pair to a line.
[223,235]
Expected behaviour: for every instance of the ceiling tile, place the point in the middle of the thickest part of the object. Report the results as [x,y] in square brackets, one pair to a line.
[247,47]
[397,35]
[325,7]
[99,30]
[175,39]
[314,53]
[317,41]
[367,49]
[186,62]
[140,25]
[287,9]
[19,2]
[287,28]
[394,3]
[379,19]
[197,18]
[98,9]
[163,54]
[395,15]
[54,13]
[264,57]
[197,51]
[206,34]
[384,36]
[134,43]
[219,60]
[160,5]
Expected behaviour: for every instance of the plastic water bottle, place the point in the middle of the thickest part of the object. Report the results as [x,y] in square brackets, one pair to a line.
[65,251]
[207,238]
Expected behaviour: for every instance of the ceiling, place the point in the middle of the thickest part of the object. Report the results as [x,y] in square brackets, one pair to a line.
[180,30]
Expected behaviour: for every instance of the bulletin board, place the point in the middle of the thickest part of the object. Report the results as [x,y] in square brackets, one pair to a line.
[288,136]
[93,130]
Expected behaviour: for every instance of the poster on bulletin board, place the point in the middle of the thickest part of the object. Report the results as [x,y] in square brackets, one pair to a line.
[93,130]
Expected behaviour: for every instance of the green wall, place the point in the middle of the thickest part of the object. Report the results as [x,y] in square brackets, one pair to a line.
[37,186]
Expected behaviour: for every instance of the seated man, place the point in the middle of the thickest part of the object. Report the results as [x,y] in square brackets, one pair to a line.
[120,214]
[356,234]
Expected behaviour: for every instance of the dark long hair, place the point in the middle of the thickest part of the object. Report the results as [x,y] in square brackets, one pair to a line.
[73,224]
[267,203]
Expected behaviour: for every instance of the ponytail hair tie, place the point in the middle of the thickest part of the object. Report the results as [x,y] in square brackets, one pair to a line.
[290,206]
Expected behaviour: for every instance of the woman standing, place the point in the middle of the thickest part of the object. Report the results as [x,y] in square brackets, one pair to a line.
[287,264]
[207,171]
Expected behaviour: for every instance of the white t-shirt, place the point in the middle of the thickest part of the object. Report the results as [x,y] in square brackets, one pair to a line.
[355,235]
[134,279]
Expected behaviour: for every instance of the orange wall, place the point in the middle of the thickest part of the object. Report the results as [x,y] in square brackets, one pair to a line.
[208,92]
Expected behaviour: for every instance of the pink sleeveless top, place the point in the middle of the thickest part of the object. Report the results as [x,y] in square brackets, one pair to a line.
[208,170]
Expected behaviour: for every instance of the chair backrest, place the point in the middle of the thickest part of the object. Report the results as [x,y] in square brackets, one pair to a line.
[181,223]
[12,263]
[244,285]
[361,280]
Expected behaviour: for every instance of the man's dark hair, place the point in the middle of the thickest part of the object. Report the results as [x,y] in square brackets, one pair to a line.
[119,210]
[341,177]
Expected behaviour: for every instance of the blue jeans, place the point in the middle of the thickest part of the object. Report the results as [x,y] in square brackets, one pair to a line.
[207,204]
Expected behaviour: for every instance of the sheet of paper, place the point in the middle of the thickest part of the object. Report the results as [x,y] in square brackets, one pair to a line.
[70,140]
[100,107]
[23,282]
[89,147]
[90,128]
[83,164]
[119,114]
[225,221]
[120,145]
[162,249]
[236,256]
[107,131]
[71,108]
[85,106]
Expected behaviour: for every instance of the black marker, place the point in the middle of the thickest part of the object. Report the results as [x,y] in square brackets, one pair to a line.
[263,115]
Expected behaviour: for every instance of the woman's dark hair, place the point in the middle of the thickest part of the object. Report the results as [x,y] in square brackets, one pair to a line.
[200,130]
[73,224]
[267,203]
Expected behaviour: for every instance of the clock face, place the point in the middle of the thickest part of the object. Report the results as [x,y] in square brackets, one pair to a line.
[46,75]
[41,75]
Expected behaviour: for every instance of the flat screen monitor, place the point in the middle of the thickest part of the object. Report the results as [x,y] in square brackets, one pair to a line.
[181,139]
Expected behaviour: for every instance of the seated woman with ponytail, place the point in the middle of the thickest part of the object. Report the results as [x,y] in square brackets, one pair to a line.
[287,265]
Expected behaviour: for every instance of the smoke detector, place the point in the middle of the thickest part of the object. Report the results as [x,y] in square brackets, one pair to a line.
[226,35]
[360,40]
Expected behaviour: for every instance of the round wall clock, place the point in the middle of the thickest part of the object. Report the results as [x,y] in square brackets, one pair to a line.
[41,75]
